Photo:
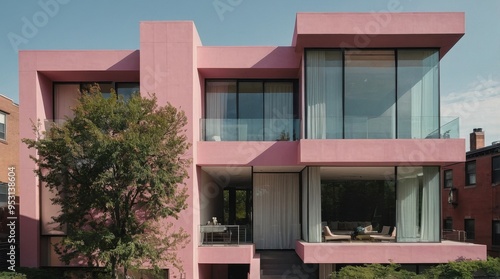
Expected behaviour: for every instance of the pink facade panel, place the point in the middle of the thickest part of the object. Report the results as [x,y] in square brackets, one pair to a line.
[375,152]
[371,30]
[248,62]
[247,153]
[410,253]
[242,254]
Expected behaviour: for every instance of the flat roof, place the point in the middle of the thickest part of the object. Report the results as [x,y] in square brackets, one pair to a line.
[379,30]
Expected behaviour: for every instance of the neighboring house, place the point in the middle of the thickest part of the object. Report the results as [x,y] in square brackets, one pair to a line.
[340,128]
[474,205]
[9,172]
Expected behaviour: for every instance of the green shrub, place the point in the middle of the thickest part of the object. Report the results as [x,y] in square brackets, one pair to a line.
[372,271]
[459,269]
[466,269]
[12,275]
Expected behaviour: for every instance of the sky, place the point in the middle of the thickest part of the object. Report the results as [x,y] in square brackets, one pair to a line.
[469,73]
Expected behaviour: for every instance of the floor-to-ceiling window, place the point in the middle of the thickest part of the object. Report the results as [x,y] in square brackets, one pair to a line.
[324,94]
[417,204]
[377,93]
[369,94]
[249,110]
[418,94]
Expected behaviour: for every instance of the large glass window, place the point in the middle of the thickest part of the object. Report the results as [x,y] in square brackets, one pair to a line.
[495,170]
[372,94]
[418,204]
[470,173]
[418,94]
[66,94]
[3,126]
[369,102]
[251,111]
[324,94]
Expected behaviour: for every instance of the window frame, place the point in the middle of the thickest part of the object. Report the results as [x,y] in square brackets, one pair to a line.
[468,173]
[237,81]
[448,224]
[397,116]
[4,194]
[495,236]
[448,179]
[467,223]
[495,172]
[5,114]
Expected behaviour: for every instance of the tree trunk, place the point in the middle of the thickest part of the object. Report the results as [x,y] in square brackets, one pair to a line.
[114,274]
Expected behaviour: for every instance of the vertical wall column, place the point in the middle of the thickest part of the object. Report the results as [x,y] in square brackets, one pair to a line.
[168,68]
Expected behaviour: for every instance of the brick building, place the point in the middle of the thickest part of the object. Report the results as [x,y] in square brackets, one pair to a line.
[9,162]
[474,203]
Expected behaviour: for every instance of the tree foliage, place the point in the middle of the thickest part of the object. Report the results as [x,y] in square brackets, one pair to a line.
[117,170]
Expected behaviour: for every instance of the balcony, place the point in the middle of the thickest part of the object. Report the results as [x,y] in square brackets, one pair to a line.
[223,235]
[250,129]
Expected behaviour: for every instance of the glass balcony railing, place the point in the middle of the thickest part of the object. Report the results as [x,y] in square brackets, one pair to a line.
[382,127]
[250,129]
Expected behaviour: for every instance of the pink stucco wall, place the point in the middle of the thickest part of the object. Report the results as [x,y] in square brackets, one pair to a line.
[410,253]
[396,29]
[168,68]
[381,152]
[248,62]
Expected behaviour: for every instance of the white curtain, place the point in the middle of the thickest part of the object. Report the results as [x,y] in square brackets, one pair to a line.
[430,205]
[407,204]
[324,94]
[276,210]
[278,110]
[424,103]
[220,103]
[65,98]
[305,205]
[314,181]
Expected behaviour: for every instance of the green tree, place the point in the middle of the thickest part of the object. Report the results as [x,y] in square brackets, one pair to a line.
[117,170]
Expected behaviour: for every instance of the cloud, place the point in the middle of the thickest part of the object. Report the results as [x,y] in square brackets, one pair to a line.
[478,106]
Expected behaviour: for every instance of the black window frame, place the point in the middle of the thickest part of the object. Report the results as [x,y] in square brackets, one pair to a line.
[495,170]
[296,99]
[448,181]
[495,233]
[470,228]
[3,134]
[448,224]
[469,173]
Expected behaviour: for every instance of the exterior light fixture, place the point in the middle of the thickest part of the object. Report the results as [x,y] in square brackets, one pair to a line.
[453,196]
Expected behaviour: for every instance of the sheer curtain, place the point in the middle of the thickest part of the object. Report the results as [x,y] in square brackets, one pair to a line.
[276,210]
[430,205]
[407,205]
[278,111]
[305,203]
[324,94]
[65,98]
[220,110]
[314,208]
[424,96]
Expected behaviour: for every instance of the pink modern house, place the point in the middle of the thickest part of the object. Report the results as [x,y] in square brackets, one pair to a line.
[341,129]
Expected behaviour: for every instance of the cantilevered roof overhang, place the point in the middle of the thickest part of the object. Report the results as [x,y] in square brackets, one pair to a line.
[378,30]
